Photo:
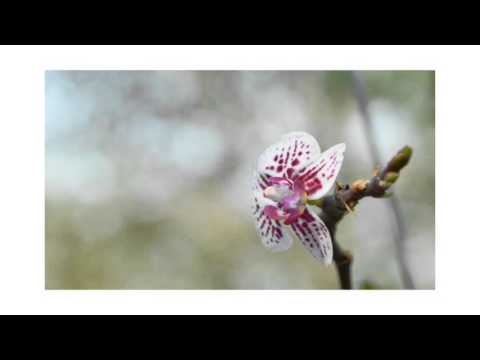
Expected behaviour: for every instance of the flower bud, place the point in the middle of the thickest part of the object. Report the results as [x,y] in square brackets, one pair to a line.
[391,177]
[400,159]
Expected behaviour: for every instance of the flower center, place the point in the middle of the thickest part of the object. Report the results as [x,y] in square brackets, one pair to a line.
[290,199]
[277,192]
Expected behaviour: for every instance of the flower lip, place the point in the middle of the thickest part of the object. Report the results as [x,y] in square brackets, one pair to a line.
[274,213]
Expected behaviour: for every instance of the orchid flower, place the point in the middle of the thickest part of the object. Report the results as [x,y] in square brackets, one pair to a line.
[288,174]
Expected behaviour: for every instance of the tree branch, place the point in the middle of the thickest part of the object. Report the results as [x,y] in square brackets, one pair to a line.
[345,199]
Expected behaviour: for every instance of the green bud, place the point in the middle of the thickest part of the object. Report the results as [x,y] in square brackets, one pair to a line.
[391,177]
[400,159]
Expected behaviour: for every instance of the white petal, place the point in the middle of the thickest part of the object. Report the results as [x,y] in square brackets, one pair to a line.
[274,235]
[320,175]
[314,236]
[293,152]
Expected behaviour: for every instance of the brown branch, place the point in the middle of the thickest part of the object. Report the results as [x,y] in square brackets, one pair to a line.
[345,199]
[343,262]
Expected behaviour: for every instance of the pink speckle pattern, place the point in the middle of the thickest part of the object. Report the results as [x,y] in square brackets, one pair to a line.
[271,231]
[296,158]
[284,159]
[314,236]
[319,177]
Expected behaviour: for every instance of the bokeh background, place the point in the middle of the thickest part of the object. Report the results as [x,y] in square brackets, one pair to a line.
[148,176]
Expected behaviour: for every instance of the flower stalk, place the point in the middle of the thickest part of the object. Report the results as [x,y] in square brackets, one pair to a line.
[346,198]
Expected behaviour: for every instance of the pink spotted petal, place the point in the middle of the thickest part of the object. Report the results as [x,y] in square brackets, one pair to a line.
[320,175]
[314,236]
[286,157]
[272,232]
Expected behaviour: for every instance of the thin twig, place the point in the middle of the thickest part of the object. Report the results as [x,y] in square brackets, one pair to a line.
[395,211]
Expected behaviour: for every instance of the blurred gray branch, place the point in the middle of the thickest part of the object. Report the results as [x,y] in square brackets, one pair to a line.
[396,217]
